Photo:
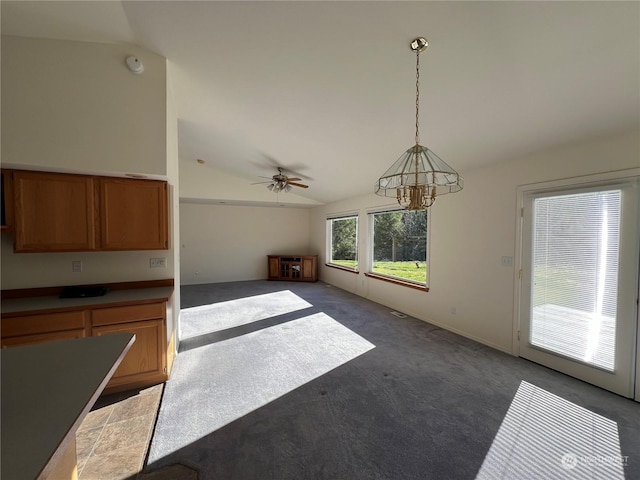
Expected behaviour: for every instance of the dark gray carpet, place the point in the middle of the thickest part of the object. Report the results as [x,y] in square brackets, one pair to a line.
[423,403]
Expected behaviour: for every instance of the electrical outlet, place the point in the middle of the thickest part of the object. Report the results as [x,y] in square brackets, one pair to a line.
[158,263]
[507,261]
[76,266]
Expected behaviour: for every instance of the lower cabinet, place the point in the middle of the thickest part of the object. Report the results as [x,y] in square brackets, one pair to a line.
[146,361]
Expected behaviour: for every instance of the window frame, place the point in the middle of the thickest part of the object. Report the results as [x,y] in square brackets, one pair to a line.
[329,242]
[423,286]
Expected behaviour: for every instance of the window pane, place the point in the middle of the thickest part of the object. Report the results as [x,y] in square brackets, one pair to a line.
[575,275]
[344,242]
[400,245]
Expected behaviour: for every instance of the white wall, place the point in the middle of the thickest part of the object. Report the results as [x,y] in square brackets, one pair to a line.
[227,243]
[74,106]
[469,233]
[31,270]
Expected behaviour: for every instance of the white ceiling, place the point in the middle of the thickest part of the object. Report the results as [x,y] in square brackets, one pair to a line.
[326,89]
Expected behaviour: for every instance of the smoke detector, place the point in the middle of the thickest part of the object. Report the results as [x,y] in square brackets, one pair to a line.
[134,64]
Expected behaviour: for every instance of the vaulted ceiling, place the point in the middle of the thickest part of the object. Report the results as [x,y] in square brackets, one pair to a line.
[326,89]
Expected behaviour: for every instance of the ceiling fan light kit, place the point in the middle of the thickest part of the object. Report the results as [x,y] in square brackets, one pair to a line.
[282,183]
[419,175]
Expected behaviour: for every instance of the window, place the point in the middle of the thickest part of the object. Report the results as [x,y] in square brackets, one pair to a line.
[400,245]
[343,242]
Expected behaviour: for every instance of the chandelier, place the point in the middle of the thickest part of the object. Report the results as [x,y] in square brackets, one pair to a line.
[419,175]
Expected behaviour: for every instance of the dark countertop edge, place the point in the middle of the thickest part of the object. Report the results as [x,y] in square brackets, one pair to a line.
[51,303]
[55,291]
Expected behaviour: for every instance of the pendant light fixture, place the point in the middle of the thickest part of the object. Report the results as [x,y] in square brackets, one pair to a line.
[419,175]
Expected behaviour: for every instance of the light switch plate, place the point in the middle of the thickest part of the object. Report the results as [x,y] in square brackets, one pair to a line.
[158,263]
[507,261]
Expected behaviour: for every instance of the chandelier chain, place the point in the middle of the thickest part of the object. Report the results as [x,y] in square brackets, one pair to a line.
[417,96]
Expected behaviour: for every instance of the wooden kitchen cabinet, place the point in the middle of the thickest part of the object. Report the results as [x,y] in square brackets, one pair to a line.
[296,268]
[133,214]
[56,212]
[53,212]
[146,361]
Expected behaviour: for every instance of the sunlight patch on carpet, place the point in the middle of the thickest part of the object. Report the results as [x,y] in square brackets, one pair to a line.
[546,436]
[205,319]
[214,385]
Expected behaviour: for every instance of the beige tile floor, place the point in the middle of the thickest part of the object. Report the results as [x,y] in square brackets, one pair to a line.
[113,439]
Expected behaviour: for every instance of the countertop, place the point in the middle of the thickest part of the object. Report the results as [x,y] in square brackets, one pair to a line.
[47,390]
[34,304]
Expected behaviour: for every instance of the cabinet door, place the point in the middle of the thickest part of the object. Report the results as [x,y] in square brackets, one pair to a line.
[53,212]
[309,269]
[133,214]
[274,268]
[144,360]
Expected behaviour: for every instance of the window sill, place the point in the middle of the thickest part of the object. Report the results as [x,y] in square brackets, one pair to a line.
[338,267]
[397,281]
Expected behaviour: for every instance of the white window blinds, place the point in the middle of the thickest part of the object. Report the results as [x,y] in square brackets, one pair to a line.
[574,277]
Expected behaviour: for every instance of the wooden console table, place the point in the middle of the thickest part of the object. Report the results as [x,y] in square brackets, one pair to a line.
[294,268]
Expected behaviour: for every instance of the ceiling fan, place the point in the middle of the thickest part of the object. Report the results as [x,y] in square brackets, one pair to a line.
[282,183]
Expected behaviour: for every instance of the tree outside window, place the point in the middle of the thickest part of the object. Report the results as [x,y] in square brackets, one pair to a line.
[344,242]
[400,245]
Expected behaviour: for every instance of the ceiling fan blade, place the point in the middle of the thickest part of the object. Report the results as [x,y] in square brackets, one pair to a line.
[298,185]
[260,183]
[290,179]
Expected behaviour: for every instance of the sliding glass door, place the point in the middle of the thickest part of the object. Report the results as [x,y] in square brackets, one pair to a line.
[580,282]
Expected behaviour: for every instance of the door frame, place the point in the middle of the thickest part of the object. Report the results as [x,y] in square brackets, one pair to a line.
[566,183]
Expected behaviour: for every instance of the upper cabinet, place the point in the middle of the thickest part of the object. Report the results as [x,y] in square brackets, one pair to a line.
[55,212]
[133,214]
